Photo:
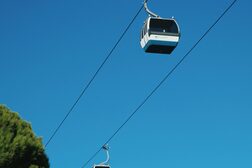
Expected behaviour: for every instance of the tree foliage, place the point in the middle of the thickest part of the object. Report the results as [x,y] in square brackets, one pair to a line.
[19,147]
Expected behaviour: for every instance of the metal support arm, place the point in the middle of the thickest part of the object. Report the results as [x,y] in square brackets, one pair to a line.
[106,148]
[148,11]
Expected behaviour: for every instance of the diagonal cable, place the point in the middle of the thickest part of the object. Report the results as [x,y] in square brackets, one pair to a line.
[93,77]
[161,82]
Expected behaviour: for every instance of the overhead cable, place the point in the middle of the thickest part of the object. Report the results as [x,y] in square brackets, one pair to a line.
[161,82]
[93,77]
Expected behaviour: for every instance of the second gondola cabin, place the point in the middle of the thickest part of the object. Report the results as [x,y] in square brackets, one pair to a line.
[160,35]
[101,166]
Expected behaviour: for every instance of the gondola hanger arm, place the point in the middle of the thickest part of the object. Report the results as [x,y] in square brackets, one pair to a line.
[106,148]
[148,11]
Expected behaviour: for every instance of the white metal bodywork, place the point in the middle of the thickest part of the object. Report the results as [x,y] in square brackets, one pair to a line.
[148,40]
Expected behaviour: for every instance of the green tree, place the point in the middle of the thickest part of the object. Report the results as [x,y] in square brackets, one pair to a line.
[19,147]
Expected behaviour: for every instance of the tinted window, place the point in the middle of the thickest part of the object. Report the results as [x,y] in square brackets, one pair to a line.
[141,34]
[102,166]
[145,28]
[164,26]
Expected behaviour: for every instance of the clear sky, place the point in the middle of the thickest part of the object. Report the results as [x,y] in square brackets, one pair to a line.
[200,117]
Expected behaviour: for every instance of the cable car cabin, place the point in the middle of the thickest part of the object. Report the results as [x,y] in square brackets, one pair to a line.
[101,166]
[160,35]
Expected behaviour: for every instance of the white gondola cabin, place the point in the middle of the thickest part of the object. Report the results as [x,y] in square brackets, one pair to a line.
[101,166]
[160,35]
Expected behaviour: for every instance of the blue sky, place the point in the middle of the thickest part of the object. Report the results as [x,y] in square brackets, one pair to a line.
[200,117]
